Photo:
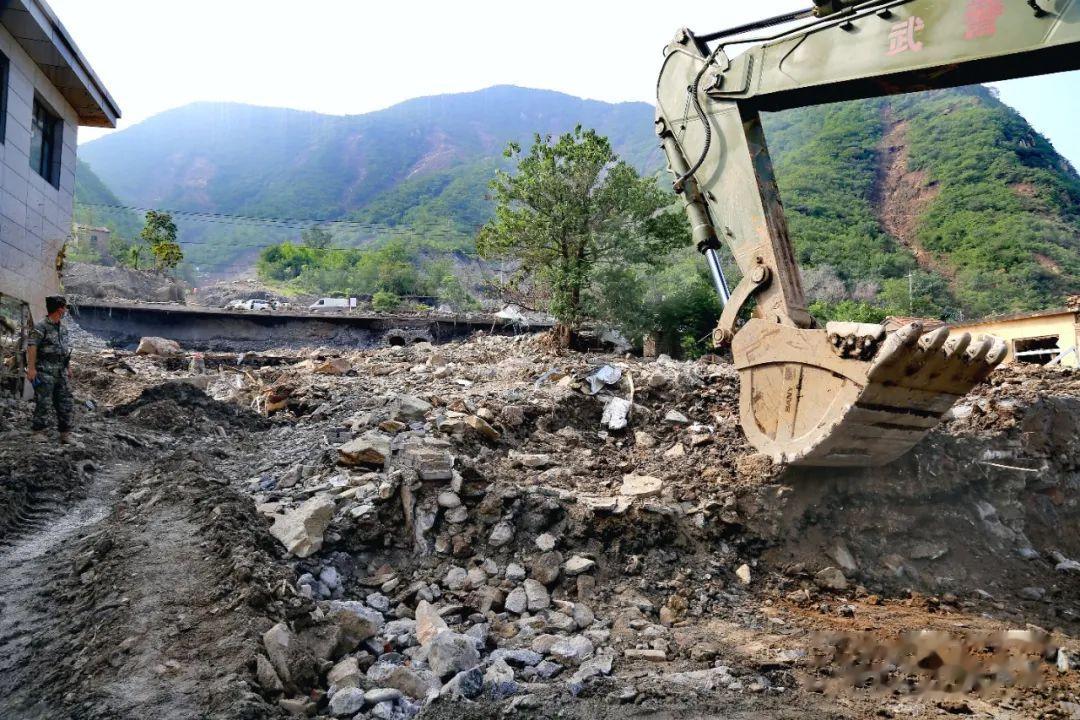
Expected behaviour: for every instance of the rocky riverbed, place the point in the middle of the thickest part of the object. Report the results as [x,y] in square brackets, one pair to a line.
[489,528]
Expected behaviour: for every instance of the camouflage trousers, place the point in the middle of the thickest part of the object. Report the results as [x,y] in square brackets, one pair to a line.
[52,390]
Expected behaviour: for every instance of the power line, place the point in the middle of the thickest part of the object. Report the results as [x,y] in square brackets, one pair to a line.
[293,223]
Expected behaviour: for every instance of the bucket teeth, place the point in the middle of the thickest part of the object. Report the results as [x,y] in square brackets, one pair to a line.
[809,400]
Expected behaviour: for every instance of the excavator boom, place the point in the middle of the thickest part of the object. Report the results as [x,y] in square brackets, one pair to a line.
[845,394]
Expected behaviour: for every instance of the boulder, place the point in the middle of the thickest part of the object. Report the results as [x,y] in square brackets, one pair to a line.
[292,661]
[301,530]
[345,674]
[266,676]
[572,650]
[371,448]
[482,428]
[450,653]
[467,684]
[501,535]
[347,702]
[545,568]
[537,595]
[428,623]
[517,601]
[412,683]
[409,408]
[831,579]
[158,346]
[641,485]
[578,565]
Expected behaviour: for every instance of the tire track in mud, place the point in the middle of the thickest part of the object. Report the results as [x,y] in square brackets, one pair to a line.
[28,564]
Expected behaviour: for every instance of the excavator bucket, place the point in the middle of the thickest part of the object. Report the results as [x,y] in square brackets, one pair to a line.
[849,395]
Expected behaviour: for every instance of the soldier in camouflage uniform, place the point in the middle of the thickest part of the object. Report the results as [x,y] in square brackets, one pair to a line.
[48,354]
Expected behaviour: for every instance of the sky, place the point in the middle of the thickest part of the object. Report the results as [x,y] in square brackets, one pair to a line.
[355,56]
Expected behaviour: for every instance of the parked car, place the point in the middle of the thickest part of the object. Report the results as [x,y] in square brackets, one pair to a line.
[328,303]
[252,304]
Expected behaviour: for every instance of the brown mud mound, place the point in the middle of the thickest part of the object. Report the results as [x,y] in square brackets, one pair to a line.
[117,283]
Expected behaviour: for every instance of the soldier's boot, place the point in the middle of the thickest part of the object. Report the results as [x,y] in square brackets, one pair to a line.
[39,436]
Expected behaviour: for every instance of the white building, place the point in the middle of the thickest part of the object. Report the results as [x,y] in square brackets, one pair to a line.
[47,90]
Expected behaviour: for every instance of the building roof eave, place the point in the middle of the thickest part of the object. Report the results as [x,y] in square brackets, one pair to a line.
[40,33]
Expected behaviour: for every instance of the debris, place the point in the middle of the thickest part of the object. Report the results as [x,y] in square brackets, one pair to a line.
[607,375]
[577,565]
[616,413]
[301,530]
[743,573]
[450,653]
[371,448]
[158,346]
[641,486]
[831,579]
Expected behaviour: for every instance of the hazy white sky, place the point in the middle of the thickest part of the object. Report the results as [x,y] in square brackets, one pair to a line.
[354,56]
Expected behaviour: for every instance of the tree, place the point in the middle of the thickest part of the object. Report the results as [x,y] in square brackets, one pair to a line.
[160,234]
[572,208]
[317,238]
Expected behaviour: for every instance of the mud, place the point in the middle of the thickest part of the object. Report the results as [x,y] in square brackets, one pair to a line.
[144,587]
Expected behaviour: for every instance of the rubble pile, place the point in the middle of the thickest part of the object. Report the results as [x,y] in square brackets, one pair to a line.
[490,527]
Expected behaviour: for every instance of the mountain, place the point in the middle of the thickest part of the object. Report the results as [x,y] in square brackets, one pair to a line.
[944,203]
[951,187]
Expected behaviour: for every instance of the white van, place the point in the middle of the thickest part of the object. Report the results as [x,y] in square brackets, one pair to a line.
[332,304]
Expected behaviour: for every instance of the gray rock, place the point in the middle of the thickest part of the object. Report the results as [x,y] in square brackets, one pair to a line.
[345,674]
[537,595]
[371,448]
[410,681]
[515,573]
[572,650]
[577,565]
[378,602]
[266,676]
[676,418]
[545,542]
[356,620]
[449,499]
[517,601]
[347,702]
[467,684]
[501,535]
[451,653]
[456,578]
[831,579]
[583,615]
[457,515]
[559,622]
[545,568]
[407,408]
[547,670]
[499,678]
[301,530]
[378,695]
[329,576]
[1032,593]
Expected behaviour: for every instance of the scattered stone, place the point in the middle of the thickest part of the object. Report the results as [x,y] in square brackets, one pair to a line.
[347,702]
[407,408]
[644,440]
[428,622]
[515,573]
[843,557]
[301,530]
[501,535]
[675,451]
[158,346]
[545,568]
[482,428]
[743,573]
[375,696]
[467,684]
[641,486]
[517,601]
[345,674]
[831,579]
[616,414]
[449,499]
[645,654]
[583,615]
[266,676]
[371,448]
[450,653]
[545,542]
[577,565]
[1032,593]
[537,595]
[572,650]
[676,418]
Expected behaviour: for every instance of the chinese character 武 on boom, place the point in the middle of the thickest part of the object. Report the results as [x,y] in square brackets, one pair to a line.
[902,36]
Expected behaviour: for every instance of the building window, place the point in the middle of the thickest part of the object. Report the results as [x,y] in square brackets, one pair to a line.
[46,143]
[1036,350]
[4,63]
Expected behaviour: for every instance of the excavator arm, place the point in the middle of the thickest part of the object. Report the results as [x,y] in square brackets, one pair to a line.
[845,394]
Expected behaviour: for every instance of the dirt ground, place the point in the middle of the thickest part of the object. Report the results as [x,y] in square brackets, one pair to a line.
[454,532]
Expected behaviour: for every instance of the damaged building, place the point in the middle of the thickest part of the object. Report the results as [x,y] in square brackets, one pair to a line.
[47,91]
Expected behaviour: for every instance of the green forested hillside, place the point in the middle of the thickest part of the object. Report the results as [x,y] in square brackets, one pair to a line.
[952,186]
[950,194]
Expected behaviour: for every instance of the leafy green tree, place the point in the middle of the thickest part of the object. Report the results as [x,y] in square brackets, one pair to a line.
[384,301]
[316,237]
[572,208]
[159,233]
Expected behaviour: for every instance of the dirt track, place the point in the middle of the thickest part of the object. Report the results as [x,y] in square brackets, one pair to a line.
[139,575]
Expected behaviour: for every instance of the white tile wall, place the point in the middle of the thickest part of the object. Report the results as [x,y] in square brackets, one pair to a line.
[35,217]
